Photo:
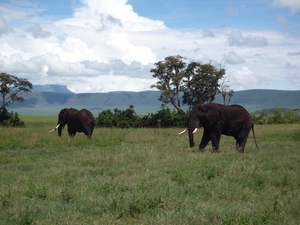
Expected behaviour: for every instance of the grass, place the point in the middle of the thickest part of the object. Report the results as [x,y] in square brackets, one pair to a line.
[146,176]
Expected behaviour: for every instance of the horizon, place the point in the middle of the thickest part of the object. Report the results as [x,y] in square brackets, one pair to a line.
[152,90]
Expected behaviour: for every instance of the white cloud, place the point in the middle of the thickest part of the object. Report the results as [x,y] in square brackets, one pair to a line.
[233,58]
[108,83]
[4,28]
[236,38]
[106,46]
[208,33]
[290,66]
[37,32]
[242,78]
[293,5]
[293,53]
[116,14]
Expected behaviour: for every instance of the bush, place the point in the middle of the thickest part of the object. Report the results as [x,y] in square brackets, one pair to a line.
[276,116]
[166,117]
[128,118]
[291,117]
[10,118]
[105,119]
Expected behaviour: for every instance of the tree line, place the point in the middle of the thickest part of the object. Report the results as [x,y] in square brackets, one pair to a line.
[127,118]
[166,118]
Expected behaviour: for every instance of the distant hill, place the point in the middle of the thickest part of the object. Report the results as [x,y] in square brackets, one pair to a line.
[50,88]
[260,99]
[50,99]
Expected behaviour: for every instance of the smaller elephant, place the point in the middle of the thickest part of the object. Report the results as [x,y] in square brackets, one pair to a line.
[77,121]
[217,119]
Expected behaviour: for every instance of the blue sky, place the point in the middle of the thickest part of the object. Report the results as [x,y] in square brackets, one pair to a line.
[102,46]
[256,14]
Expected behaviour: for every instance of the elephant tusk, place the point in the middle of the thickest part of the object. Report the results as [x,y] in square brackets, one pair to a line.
[195,130]
[182,131]
[54,128]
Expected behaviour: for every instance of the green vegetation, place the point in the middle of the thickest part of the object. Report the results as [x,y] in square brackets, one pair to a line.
[166,117]
[11,87]
[188,83]
[276,116]
[127,118]
[146,176]
[10,118]
[163,118]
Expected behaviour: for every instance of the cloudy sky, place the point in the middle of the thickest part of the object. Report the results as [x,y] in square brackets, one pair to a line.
[111,45]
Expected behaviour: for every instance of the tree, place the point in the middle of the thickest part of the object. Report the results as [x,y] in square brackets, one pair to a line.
[225,90]
[10,87]
[201,83]
[170,73]
[196,82]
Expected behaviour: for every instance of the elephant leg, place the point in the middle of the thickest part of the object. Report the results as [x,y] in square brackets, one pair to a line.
[241,140]
[92,129]
[88,130]
[243,144]
[237,145]
[72,134]
[205,139]
[215,140]
[240,144]
[71,131]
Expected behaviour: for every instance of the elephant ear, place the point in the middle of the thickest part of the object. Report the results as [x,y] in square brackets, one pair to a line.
[65,115]
[212,114]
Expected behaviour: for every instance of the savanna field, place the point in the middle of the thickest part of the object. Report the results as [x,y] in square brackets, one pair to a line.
[146,176]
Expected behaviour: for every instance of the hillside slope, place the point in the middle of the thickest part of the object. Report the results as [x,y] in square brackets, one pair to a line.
[144,102]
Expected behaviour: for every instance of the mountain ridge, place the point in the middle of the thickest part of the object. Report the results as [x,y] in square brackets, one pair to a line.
[40,101]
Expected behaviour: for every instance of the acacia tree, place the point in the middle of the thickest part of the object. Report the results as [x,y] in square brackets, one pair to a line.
[170,73]
[201,83]
[10,87]
[196,82]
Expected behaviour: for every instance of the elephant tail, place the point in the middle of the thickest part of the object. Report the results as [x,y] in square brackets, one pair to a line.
[254,136]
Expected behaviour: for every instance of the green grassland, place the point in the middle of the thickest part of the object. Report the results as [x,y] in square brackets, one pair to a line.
[146,176]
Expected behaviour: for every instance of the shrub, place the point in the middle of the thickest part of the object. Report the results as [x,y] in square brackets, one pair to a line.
[276,116]
[128,118]
[105,119]
[10,118]
[291,117]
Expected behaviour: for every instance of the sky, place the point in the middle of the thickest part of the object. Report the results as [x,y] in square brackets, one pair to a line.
[95,46]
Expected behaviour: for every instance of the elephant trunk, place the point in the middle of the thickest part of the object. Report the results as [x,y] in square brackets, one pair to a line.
[59,130]
[191,138]
[61,126]
[192,128]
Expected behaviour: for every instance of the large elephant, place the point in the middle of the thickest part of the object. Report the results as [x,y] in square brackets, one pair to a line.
[77,121]
[218,119]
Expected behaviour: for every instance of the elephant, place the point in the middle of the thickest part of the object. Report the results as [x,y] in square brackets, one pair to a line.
[77,121]
[217,119]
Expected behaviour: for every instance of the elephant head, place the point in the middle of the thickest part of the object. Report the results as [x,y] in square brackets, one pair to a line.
[62,120]
[205,115]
